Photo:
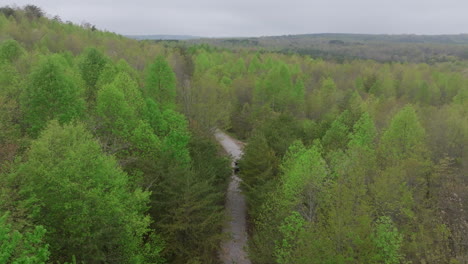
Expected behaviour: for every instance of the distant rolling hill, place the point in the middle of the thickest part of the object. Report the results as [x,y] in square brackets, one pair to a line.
[336,46]
[402,38]
[401,48]
[162,37]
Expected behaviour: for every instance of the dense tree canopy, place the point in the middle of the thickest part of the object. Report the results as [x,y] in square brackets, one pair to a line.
[160,83]
[91,66]
[107,152]
[27,248]
[82,198]
[51,93]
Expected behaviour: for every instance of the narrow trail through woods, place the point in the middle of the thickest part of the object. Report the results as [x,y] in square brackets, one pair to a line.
[233,251]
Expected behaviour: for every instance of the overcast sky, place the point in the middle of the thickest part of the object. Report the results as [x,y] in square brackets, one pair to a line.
[215,18]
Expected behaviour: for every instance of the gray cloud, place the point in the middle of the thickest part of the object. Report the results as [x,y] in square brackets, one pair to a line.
[263,17]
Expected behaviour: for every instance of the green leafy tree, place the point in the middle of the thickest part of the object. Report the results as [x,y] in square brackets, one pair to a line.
[290,230]
[328,90]
[125,83]
[190,216]
[10,50]
[33,12]
[323,100]
[10,113]
[51,93]
[202,62]
[405,137]
[210,103]
[91,65]
[83,198]
[176,137]
[304,174]
[116,115]
[188,203]
[364,133]
[255,64]
[297,102]
[153,115]
[238,68]
[336,136]
[276,89]
[258,171]
[7,11]
[111,70]
[160,83]
[22,248]
[122,130]
[153,250]
[301,189]
[10,137]
[355,105]
[388,241]
[280,132]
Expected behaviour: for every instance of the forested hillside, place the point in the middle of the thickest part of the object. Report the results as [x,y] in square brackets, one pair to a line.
[97,163]
[359,162]
[341,47]
[107,152]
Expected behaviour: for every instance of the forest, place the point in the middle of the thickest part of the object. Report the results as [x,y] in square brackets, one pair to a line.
[429,49]
[108,155]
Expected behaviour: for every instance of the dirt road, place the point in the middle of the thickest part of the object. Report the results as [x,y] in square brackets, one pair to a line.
[233,251]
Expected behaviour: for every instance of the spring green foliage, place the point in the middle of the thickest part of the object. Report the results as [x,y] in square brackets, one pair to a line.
[51,93]
[292,202]
[9,94]
[305,172]
[404,138]
[10,50]
[119,109]
[293,225]
[364,133]
[115,174]
[88,202]
[388,241]
[276,82]
[375,165]
[117,116]
[337,135]
[176,136]
[380,130]
[160,83]
[106,142]
[91,65]
[207,104]
[258,169]
[18,248]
